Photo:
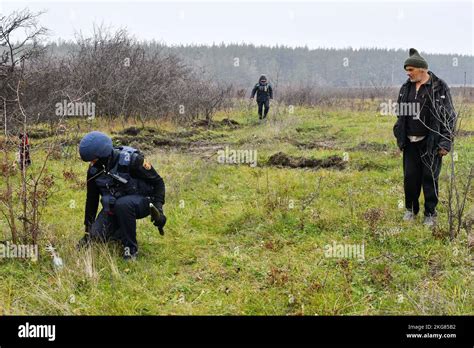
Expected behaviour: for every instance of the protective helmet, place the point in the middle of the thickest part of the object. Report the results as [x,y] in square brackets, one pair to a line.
[95,145]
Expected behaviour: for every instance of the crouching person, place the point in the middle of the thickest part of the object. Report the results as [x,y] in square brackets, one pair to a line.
[128,187]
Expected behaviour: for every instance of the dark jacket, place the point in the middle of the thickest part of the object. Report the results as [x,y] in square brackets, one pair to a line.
[264,92]
[440,122]
[148,183]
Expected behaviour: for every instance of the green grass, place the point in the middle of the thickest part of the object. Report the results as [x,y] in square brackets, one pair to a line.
[240,240]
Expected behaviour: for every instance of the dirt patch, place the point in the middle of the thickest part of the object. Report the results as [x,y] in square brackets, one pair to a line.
[230,123]
[130,131]
[365,146]
[323,143]
[185,133]
[159,141]
[148,138]
[465,133]
[226,122]
[147,142]
[204,149]
[284,160]
[167,142]
[316,144]
[311,129]
[150,143]
[133,130]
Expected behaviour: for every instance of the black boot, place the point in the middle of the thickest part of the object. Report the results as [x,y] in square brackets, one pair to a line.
[84,242]
[130,253]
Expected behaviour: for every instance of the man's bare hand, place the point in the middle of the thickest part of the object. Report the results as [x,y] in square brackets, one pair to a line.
[442,152]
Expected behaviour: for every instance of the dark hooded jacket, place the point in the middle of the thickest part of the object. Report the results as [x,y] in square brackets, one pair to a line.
[142,177]
[441,118]
[264,90]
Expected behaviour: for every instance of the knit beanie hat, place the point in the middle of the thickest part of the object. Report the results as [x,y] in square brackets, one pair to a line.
[415,60]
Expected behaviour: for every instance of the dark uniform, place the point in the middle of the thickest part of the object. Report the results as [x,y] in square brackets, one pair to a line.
[122,204]
[126,184]
[264,93]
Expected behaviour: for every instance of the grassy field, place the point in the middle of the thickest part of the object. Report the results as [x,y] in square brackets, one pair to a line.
[244,240]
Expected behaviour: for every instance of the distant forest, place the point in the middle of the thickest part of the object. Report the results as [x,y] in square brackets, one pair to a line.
[242,64]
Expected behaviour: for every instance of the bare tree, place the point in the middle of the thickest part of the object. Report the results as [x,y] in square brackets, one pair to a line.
[20,37]
[459,177]
[33,188]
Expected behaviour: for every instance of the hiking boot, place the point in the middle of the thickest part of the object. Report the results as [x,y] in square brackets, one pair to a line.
[429,221]
[409,216]
[130,254]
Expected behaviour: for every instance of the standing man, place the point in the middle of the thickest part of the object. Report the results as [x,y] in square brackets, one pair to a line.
[264,94]
[129,188]
[424,132]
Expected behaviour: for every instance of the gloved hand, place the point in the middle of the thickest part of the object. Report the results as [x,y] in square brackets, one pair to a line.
[157,216]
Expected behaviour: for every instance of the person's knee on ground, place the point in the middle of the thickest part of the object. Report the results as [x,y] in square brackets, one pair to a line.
[127,210]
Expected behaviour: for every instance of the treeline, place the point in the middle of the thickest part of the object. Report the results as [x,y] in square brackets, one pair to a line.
[319,67]
[241,64]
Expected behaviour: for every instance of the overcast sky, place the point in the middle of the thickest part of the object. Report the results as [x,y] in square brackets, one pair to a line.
[434,27]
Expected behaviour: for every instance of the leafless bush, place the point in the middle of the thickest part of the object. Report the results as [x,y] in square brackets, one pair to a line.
[120,76]
[352,97]
[460,175]
[201,97]
[23,196]
[14,56]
